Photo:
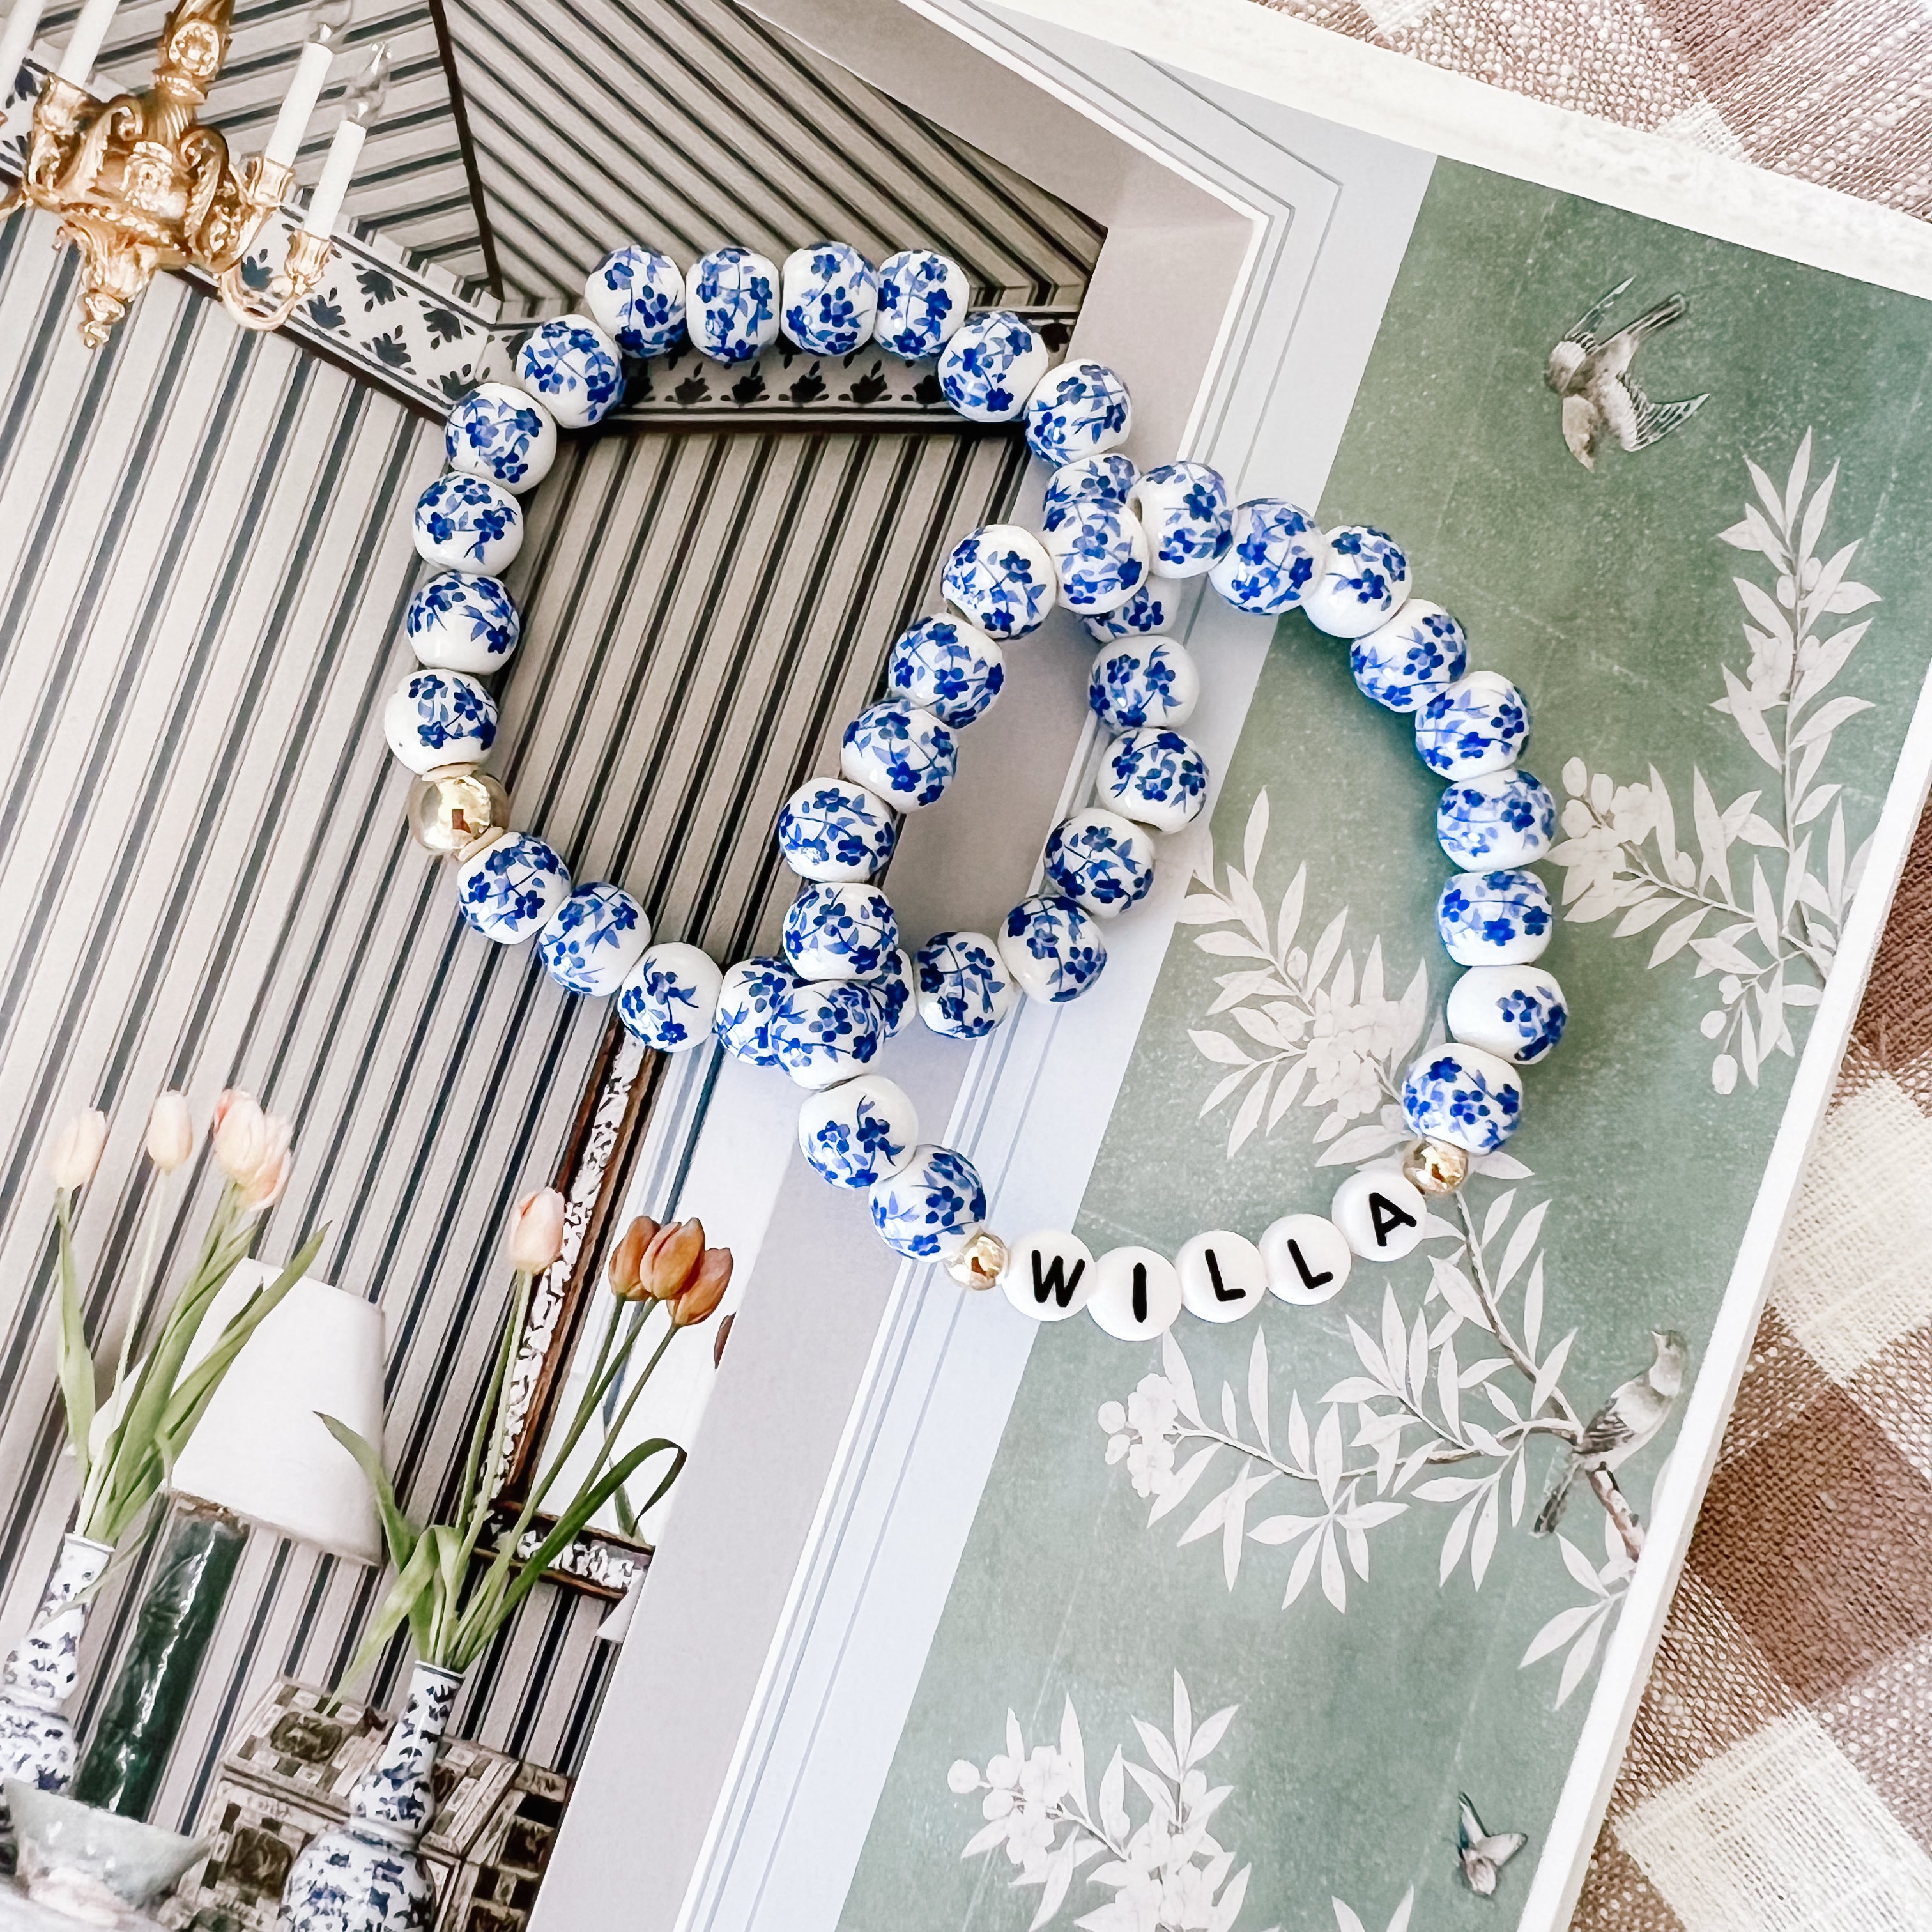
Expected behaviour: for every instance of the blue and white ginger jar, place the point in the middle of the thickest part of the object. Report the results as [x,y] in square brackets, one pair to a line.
[840,932]
[1462,1095]
[932,1208]
[1501,918]
[1402,664]
[1500,820]
[1155,777]
[669,999]
[749,996]
[440,717]
[594,939]
[859,1133]
[989,367]
[468,523]
[1517,1012]
[1002,578]
[1275,552]
[1363,582]
[1052,947]
[825,1030]
[731,305]
[892,991]
[1150,609]
[509,890]
[1188,516]
[830,296]
[1081,409]
[965,989]
[831,828]
[570,366]
[456,622]
[951,668]
[1479,723]
[1102,861]
[1087,479]
[902,752]
[502,434]
[922,299]
[37,1736]
[1133,684]
[636,296]
[1100,556]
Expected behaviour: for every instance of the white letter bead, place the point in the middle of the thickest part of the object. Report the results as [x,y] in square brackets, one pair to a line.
[1136,1294]
[1050,1275]
[1222,1276]
[1380,1214]
[1306,1259]
[1517,1012]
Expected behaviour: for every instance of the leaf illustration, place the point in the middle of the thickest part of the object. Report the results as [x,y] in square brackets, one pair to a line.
[1447,1389]
[1217,1047]
[1521,1243]
[1751,719]
[1254,837]
[1113,1794]
[1258,1386]
[1532,1307]
[1483,1543]
[1059,1877]
[1457,1290]
[1248,1116]
[1581,1652]
[1073,1751]
[1189,1473]
[1827,718]
[1160,1752]
[1555,1633]
[1548,1373]
[1288,921]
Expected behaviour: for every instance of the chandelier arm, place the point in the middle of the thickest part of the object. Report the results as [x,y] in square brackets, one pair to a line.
[261,310]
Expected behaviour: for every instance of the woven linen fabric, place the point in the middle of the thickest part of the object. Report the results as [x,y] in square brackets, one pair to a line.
[1779,1774]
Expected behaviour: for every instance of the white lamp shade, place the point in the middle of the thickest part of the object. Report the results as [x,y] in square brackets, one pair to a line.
[260,1449]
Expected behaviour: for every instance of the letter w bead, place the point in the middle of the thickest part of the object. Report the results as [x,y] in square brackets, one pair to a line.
[1054,1280]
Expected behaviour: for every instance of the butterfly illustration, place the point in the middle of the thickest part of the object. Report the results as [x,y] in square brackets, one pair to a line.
[1483,1853]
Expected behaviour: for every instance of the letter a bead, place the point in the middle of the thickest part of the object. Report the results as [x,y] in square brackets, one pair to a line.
[1136,1294]
[1380,1214]
[1050,1276]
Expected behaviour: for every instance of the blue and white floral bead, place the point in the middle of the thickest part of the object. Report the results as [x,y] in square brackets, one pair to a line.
[922,299]
[1502,819]
[1151,608]
[1136,684]
[1001,578]
[892,991]
[1155,777]
[990,365]
[1402,664]
[468,523]
[1053,948]
[502,434]
[1517,1012]
[1185,509]
[1103,861]
[965,990]
[669,999]
[636,296]
[1363,582]
[594,939]
[509,890]
[951,668]
[458,623]
[824,1031]
[902,752]
[830,295]
[1275,555]
[859,1133]
[1501,918]
[574,368]
[1479,723]
[1100,556]
[731,305]
[830,829]
[748,997]
[440,717]
[840,932]
[1464,1096]
[1081,409]
[932,1208]
[1087,479]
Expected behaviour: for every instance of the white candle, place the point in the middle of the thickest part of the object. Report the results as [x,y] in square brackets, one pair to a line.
[84,45]
[16,37]
[325,204]
[298,104]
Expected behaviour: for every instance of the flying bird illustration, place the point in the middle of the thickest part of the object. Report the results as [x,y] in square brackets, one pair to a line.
[1483,1852]
[1629,1419]
[1592,375]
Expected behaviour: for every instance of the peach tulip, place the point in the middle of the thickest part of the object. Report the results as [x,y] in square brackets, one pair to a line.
[536,1231]
[705,1290]
[170,1132]
[76,1152]
[627,1260]
[240,1135]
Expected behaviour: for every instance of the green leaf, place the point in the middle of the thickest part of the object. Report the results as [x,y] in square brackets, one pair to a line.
[72,1363]
[397,1531]
[407,1599]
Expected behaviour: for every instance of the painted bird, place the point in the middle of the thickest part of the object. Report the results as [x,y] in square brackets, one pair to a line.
[1483,1852]
[1592,375]
[1629,1419]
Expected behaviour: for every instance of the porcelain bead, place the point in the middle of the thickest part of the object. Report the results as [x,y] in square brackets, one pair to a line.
[1155,777]
[952,667]
[1222,1276]
[1189,520]
[1080,408]
[1052,948]
[509,890]
[990,364]
[922,299]
[1136,683]
[636,296]
[1464,1096]
[1502,820]
[440,717]
[574,369]
[1479,723]
[1495,919]
[1306,1259]
[468,523]
[823,1031]
[931,1206]
[840,932]
[1363,582]
[832,829]
[1087,479]
[503,434]
[459,622]
[1379,1214]
[901,752]
[731,305]
[1002,578]
[1136,1294]
[1149,609]
[669,999]
[1517,1013]
[1276,553]
[748,997]
[594,939]
[1100,556]
[830,296]
[1100,860]
[965,989]
[859,1133]
[892,991]
[1402,664]
[1050,1276]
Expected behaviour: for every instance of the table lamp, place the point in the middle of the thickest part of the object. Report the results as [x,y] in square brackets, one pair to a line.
[259,1455]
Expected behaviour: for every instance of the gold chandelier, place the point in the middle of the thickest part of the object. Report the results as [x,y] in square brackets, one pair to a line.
[140,184]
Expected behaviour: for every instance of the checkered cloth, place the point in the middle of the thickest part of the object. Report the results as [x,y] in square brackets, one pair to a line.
[1780,1773]
[1835,91]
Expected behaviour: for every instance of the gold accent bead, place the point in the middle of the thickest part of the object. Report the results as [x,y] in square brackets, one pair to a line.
[980,1263]
[453,809]
[1435,1167]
